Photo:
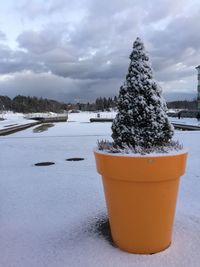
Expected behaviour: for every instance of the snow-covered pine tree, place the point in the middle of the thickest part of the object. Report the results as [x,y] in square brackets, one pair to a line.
[141,120]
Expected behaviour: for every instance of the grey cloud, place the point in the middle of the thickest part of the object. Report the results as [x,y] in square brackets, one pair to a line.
[2,36]
[70,59]
[17,61]
[43,84]
[91,56]
[63,89]
[51,10]
[173,42]
[176,49]
[33,9]
[98,67]
[38,42]
[107,31]
[160,10]
[173,73]
[180,96]
[60,55]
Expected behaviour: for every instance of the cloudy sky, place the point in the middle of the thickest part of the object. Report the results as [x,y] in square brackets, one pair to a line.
[79,50]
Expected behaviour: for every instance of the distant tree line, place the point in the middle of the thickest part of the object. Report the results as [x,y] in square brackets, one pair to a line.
[103,104]
[106,103]
[27,104]
[100,104]
[184,104]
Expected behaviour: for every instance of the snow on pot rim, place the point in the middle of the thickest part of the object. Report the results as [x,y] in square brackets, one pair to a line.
[173,152]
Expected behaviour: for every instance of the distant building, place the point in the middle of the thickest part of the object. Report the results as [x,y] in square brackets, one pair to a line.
[198,87]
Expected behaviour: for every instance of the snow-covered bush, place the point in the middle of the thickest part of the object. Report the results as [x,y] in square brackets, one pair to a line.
[141,120]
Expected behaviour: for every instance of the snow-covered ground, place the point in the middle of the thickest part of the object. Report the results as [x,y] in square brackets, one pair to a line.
[11,119]
[48,214]
[187,121]
[14,119]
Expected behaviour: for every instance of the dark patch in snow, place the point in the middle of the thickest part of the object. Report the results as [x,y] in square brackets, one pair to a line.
[74,159]
[43,127]
[101,227]
[47,163]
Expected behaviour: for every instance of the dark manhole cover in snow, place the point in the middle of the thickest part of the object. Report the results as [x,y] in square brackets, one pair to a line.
[75,159]
[47,163]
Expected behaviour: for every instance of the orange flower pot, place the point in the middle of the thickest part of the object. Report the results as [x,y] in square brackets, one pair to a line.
[141,194]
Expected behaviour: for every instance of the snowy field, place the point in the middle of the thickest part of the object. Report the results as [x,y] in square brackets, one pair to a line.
[14,119]
[49,214]
[11,119]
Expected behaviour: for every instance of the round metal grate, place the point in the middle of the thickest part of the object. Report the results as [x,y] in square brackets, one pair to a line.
[44,163]
[75,159]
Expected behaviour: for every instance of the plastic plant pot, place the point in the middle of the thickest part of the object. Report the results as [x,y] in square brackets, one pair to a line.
[141,194]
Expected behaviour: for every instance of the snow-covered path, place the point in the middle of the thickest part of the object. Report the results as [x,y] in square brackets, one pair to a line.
[47,213]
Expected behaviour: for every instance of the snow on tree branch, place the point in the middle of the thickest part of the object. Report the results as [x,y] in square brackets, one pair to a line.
[141,120]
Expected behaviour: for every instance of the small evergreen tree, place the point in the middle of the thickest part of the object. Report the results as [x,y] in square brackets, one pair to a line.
[141,119]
